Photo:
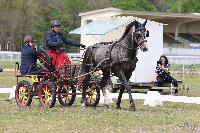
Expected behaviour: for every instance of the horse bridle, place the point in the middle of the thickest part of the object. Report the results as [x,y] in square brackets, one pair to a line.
[139,42]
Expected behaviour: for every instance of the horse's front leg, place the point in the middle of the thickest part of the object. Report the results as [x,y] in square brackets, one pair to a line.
[124,81]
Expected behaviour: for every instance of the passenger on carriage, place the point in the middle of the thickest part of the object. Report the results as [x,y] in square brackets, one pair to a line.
[29,57]
[163,73]
[54,40]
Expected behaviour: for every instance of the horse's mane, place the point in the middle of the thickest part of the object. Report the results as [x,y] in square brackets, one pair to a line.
[128,28]
[103,43]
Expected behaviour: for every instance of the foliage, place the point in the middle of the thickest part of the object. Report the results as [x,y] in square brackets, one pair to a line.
[186,6]
[21,17]
[163,5]
[137,5]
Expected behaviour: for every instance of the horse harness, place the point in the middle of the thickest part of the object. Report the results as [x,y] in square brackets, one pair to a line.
[120,57]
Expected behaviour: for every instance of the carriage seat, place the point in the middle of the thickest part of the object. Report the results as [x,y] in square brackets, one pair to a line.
[44,58]
[166,84]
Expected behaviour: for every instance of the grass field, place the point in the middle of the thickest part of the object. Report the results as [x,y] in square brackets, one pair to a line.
[7,64]
[171,117]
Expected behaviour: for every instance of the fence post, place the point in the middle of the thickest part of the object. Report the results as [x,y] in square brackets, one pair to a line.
[171,88]
[183,74]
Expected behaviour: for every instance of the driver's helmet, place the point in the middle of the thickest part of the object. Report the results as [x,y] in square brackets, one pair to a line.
[55,23]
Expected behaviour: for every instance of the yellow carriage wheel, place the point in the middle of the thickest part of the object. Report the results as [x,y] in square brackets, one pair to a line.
[23,94]
[47,94]
[92,95]
[66,94]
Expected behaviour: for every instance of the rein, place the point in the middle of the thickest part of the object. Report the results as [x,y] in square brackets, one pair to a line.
[132,41]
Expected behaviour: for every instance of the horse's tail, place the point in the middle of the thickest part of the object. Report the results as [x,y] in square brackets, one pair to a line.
[83,67]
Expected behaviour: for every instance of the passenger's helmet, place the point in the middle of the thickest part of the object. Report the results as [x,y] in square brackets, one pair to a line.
[55,23]
[29,38]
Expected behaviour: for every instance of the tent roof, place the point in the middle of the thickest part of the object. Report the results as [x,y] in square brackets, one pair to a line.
[101,27]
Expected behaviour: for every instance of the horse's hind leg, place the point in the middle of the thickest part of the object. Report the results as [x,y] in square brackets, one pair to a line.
[120,96]
[103,82]
[85,85]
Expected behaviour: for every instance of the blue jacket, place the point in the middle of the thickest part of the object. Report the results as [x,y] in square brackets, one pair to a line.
[28,59]
[54,41]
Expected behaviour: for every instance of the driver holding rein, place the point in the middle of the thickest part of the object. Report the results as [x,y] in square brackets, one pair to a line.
[163,73]
[53,42]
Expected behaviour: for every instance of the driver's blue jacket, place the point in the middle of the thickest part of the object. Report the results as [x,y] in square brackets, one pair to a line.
[28,61]
[54,41]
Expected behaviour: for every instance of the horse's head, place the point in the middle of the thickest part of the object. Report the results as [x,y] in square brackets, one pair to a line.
[139,35]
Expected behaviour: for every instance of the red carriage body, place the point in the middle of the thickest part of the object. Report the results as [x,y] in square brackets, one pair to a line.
[59,58]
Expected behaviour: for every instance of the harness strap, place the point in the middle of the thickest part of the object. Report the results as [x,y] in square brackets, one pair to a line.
[122,61]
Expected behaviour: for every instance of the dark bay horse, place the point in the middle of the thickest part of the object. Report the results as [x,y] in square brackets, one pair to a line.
[118,58]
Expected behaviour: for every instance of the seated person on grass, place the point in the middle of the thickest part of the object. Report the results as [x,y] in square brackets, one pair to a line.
[163,73]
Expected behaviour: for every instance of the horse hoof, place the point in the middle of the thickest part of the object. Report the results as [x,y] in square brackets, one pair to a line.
[118,107]
[132,108]
[176,91]
[83,104]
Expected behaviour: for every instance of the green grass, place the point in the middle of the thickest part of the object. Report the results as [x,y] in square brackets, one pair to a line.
[8,64]
[171,117]
[7,79]
[81,119]
[11,65]
[175,67]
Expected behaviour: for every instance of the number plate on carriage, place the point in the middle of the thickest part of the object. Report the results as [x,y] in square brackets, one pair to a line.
[34,78]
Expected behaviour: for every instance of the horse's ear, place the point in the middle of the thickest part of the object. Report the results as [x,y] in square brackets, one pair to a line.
[145,22]
[147,34]
[136,24]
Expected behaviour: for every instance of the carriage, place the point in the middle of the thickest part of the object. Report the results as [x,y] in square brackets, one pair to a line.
[114,58]
[60,84]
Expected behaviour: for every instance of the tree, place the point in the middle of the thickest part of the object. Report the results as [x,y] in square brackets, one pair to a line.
[163,5]
[46,10]
[186,6]
[21,17]
[98,4]
[136,5]
[8,24]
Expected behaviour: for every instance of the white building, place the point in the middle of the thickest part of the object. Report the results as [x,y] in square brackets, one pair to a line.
[109,25]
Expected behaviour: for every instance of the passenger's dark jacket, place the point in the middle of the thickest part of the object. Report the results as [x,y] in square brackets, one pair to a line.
[28,60]
[54,41]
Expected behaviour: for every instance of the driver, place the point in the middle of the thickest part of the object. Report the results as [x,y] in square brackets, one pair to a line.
[53,42]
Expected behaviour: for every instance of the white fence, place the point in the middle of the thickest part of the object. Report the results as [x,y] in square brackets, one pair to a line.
[182,55]
[75,57]
[16,56]
[188,60]
[10,56]
[181,52]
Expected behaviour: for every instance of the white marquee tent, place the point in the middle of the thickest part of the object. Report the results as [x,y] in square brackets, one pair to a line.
[102,29]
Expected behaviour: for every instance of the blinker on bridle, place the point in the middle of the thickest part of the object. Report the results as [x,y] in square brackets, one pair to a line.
[136,33]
